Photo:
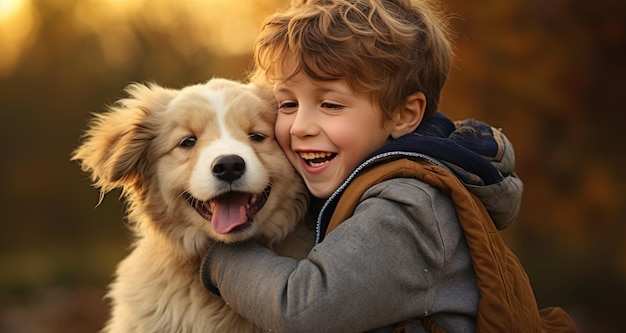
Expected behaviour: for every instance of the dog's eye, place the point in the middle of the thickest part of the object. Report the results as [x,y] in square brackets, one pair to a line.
[188,142]
[257,137]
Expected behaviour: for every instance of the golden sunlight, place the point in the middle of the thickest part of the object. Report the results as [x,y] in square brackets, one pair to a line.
[190,27]
[229,27]
[9,7]
[18,21]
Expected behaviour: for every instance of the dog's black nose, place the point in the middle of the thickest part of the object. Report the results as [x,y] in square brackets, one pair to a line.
[229,167]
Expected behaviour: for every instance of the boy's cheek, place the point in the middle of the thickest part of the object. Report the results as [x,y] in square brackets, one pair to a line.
[281,131]
[283,138]
[294,160]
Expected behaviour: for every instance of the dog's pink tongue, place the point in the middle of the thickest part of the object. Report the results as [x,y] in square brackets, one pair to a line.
[229,212]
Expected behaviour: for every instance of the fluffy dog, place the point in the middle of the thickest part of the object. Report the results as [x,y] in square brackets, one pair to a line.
[195,165]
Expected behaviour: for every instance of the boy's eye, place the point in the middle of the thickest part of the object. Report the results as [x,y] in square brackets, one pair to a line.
[333,106]
[287,105]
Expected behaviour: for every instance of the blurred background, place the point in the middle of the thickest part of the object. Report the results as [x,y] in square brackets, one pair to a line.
[550,73]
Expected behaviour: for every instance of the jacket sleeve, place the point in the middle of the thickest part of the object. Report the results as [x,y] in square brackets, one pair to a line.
[379,267]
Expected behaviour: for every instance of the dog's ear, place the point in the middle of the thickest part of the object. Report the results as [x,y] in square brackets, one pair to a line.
[264,91]
[114,147]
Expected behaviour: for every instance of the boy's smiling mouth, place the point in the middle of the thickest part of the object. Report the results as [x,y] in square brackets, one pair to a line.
[317,159]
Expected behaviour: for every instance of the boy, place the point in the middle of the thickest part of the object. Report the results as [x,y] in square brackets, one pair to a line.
[358,84]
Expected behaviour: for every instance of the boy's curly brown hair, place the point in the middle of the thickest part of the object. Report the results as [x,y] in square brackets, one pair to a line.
[388,49]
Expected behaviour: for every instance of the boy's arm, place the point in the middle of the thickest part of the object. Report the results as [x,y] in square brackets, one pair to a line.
[377,268]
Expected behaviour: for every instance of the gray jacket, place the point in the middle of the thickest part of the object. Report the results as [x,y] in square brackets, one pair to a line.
[357,279]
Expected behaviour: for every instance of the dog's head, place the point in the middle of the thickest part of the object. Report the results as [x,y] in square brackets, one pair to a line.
[196,163]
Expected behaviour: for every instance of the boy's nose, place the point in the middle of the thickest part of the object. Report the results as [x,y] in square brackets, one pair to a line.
[304,124]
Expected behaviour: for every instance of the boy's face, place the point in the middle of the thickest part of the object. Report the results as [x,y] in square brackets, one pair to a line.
[326,129]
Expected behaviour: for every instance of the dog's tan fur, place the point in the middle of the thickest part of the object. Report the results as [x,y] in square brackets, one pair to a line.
[139,145]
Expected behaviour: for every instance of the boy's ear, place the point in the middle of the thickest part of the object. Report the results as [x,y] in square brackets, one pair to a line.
[410,116]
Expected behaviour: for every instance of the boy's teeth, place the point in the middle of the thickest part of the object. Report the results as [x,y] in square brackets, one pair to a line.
[310,156]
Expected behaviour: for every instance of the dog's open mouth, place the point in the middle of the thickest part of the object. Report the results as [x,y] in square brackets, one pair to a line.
[230,210]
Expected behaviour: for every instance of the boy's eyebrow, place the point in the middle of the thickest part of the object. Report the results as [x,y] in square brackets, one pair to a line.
[286,90]
[281,89]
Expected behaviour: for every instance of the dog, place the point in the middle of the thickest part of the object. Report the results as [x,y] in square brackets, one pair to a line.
[195,165]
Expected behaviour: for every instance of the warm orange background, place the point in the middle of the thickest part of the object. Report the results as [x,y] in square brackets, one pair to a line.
[549,72]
